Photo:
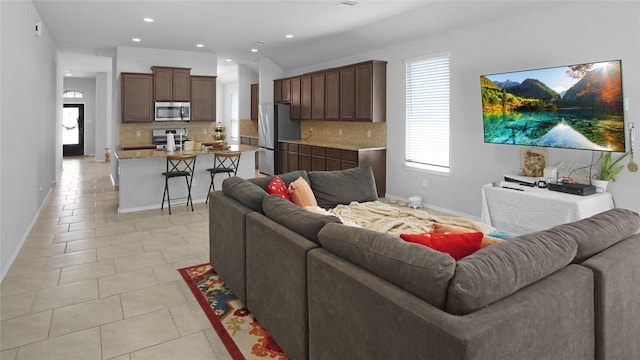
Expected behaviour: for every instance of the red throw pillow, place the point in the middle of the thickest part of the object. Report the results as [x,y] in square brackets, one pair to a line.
[278,187]
[458,245]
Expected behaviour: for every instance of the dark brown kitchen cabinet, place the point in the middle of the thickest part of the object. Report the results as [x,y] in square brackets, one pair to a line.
[136,97]
[171,84]
[296,105]
[292,156]
[332,161]
[283,158]
[305,97]
[332,95]
[317,96]
[282,91]
[318,158]
[203,98]
[354,92]
[304,157]
[347,93]
[370,91]
[255,88]
[376,158]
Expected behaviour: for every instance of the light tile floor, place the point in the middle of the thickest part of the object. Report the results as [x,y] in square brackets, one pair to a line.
[90,283]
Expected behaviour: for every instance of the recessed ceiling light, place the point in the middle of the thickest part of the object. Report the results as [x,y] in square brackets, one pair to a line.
[199,45]
[254,50]
[68,74]
[148,19]
[136,40]
[228,60]
[346,3]
[289,36]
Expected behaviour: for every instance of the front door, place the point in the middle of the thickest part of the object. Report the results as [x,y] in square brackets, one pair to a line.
[73,130]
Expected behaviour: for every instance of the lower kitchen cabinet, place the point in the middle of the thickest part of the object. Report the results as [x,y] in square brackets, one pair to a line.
[318,158]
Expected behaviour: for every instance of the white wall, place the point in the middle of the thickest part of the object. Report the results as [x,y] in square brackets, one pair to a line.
[27,126]
[246,77]
[563,34]
[103,114]
[88,87]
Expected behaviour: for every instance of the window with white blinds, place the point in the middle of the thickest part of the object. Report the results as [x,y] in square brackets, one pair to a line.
[427,112]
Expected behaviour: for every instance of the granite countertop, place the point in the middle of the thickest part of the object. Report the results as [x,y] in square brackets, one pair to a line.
[148,154]
[333,145]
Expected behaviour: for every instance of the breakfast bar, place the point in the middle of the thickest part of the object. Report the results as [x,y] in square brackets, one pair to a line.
[141,182]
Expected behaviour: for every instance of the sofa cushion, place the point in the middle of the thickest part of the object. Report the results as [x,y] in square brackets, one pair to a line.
[301,194]
[497,271]
[286,177]
[295,218]
[417,269]
[599,232]
[332,188]
[458,245]
[245,192]
[277,187]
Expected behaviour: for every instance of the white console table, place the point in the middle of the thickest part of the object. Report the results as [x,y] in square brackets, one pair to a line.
[534,209]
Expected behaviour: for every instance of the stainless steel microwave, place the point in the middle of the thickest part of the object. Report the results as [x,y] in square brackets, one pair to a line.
[173,111]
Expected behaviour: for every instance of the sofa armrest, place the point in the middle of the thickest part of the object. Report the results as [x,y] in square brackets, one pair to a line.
[277,282]
[617,299]
[227,241]
[356,315]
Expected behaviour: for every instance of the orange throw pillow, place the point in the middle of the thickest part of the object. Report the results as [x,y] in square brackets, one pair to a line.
[278,187]
[301,194]
[458,245]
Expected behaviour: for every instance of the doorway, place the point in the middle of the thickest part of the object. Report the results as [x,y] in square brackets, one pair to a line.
[73,130]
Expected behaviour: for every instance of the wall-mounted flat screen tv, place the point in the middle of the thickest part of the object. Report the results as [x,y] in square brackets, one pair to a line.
[574,107]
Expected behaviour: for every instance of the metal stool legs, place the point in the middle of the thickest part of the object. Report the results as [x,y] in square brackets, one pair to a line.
[226,162]
[179,166]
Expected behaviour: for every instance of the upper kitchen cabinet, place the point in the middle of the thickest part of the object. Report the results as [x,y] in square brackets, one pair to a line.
[296,103]
[317,96]
[171,84]
[347,93]
[332,95]
[371,91]
[203,98]
[137,97]
[282,91]
[356,92]
[255,100]
[363,92]
[305,97]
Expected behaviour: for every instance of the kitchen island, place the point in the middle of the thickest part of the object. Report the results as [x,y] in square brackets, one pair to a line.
[141,183]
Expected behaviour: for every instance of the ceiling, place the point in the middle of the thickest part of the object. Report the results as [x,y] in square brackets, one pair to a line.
[87,32]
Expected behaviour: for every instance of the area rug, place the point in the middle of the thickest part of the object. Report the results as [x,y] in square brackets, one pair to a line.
[242,335]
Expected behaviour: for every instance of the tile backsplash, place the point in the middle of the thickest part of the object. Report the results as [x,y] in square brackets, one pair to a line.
[346,132]
[198,131]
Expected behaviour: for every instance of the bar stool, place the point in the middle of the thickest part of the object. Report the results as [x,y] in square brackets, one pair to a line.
[179,166]
[224,162]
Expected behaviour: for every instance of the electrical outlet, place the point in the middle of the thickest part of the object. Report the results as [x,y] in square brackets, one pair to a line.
[368,133]
[204,131]
[310,130]
[138,133]
[39,187]
[425,183]
[340,132]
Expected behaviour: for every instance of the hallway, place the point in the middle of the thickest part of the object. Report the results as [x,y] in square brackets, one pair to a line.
[90,283]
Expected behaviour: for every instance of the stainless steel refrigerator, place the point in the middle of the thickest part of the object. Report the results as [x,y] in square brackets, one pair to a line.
[274,123]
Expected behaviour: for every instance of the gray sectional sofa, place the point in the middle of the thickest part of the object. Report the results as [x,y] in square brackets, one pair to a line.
[325,290]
